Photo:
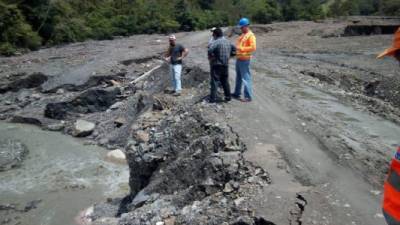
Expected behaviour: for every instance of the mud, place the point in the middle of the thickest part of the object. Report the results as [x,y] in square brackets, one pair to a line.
[20,81]
[357,30]
[90,101]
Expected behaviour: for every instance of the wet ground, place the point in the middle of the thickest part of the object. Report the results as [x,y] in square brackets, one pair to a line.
[324,122]
[59,177]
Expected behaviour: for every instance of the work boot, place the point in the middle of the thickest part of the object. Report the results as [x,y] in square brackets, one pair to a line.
[237,97]
[245,100]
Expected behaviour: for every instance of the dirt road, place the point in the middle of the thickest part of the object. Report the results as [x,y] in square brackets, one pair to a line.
[312,136]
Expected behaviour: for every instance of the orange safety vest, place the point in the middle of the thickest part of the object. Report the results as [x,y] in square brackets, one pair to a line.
[245,46]
[391,196]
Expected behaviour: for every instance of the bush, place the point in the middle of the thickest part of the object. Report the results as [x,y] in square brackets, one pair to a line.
[16,32]
[7,49]
[391,7]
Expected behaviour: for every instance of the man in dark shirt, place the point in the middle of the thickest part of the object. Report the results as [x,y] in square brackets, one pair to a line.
[219,52]
[174,56]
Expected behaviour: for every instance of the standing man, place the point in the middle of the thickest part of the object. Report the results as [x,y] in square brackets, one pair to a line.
[245,46]
[212,38]
[210,42]
[175,54]
[391,195]
[219,52]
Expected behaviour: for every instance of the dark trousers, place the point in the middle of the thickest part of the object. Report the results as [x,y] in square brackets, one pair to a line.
[219,73]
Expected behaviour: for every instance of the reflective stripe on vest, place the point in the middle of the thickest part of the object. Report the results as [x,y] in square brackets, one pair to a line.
[391,199]
[241,43]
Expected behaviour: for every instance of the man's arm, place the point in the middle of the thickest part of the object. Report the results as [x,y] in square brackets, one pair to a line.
[211,50]
[185,52]
[233,50]
[168,52]
[167,55]
[252,46]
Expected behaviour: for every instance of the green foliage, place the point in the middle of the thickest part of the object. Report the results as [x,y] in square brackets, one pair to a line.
[15,31]
[391,7]
[29,23]
[7,49]
[302,10]
[364,7]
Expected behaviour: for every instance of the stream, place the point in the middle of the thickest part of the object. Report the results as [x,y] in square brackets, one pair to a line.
[60,177]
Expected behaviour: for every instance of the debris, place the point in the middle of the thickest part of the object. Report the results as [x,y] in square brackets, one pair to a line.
[142,136]
[120,121]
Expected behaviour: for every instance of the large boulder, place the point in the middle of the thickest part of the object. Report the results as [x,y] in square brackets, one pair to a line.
[90,101]
[83,128]
[117,156]
[12,153]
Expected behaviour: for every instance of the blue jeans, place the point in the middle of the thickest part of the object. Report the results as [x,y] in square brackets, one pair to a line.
[243,76]
[175,71]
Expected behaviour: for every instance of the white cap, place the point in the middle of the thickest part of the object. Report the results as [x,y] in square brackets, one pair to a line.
[212,29]
[172,37]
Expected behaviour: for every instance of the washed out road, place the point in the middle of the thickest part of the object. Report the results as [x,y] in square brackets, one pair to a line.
[319,124]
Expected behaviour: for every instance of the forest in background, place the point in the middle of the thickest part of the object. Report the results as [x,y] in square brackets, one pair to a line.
[30,24]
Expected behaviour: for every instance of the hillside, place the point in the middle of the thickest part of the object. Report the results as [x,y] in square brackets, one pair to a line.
[29,25]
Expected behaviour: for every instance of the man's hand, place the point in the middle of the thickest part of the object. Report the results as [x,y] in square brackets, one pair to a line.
[167,58]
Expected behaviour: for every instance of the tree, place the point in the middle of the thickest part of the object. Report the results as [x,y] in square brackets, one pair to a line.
[16,32]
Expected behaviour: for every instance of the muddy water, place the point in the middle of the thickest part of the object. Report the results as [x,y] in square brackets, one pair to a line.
[61,174]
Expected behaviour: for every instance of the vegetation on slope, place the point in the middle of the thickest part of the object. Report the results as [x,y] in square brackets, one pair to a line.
[29,24]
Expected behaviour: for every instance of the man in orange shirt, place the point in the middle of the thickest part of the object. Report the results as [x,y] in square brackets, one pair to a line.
[245,46]
[391,196]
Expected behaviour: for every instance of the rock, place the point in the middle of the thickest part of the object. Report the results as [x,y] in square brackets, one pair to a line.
[232,148]
[24,82]
[56,126]
[116,105]
[228,188]
[117,156]
[90,101]
[170,221]
[142,136]
[83,128]
[26,118]
[84,216]
[216,162]
[160,223]
[119,121]
[106,221]
[32,205]
[60,91]
[36,96]
[244,220]
[115,83]
[23,95]
[12,153]
[239,201]
[103,141]
[229,158]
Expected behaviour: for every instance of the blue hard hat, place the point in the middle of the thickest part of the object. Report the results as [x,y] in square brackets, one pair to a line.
[244,22]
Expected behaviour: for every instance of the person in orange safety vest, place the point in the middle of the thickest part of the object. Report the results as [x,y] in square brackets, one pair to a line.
[245,46]
[391,195]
